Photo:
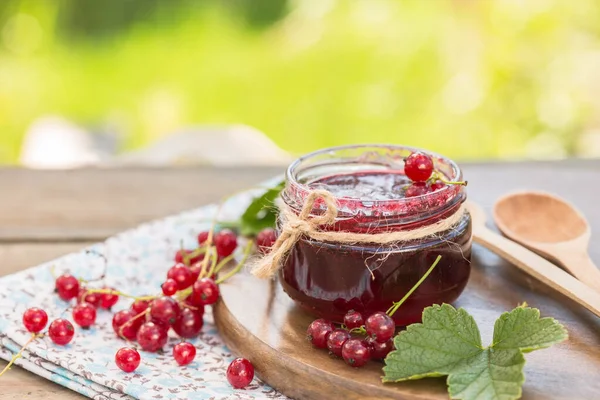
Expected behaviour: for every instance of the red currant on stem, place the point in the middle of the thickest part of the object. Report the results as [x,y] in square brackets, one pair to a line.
[126,324]
[318,332]
[188,324]
[203,237]
[88,296]
[35,319]
[356,352]
[107,300]
[353,319]
[139,306]
[336,340]
[127,359]
[380,350]
[240,373]
[84,315]
[165,309]
[67,286]
[380,326]
[169,287]
[225,242]
[184,353]
[152,336]
[61,331]
[206,290]
[265,240]
[418,167]
[182,275]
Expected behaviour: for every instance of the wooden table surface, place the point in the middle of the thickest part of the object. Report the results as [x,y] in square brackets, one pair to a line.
[46,214]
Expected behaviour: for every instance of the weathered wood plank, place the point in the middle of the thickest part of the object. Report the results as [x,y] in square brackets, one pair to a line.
[92,204]
[19,384]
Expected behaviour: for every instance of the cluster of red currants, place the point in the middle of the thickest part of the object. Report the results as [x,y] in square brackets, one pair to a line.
[190,285]
[349,341]
[419,168]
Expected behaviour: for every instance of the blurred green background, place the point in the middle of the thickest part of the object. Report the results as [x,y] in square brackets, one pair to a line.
[471,79]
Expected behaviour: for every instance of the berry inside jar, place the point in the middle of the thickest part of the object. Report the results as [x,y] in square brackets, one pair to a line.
[378,189]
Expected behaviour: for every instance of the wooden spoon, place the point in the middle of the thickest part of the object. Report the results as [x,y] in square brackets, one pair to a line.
[551,227]
[534,265]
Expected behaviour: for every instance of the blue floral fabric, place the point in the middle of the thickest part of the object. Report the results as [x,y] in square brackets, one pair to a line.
[137,264]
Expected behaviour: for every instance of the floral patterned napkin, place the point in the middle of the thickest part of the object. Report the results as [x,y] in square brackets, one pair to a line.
[137,264]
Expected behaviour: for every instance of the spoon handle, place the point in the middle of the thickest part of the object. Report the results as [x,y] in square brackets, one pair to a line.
[539,268]
[583,269]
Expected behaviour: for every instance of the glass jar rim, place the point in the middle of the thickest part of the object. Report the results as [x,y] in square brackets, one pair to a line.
[434,203]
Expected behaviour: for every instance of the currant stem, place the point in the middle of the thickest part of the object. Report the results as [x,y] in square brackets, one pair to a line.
[223,263]
[213,262]
[360,330]
[397,305]
[103,275]
[118,293]
[146,311]
[237,267]
[18,355]
[438,176]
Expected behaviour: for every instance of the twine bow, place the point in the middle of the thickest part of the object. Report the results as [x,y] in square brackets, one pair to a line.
[293,226]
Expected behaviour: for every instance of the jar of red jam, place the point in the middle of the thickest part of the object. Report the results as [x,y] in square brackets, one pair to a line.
[328,279]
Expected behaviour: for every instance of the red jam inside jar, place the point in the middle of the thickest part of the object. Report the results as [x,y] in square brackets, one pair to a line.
[328,279]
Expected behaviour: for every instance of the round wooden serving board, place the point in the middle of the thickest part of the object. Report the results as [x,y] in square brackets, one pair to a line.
[260,322]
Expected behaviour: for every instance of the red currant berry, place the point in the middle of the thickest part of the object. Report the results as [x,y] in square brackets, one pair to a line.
[165,309]
[182,255]
[169,287]
[152,336]
[240,373]
[202,238]
[437,186]
[35,319]
[318,332]
[128,359]
[188,324]
[107,300]
[336,341]
[418,167]
[67,286]
[380,326]
[206,290]
[380,350]
[265,240]
[184,353]
[195,303]
[182,275]
[61,331]
[124,324]
[84,315]
[91,298]
[416,189]
[356,352]
[139,306]
[353,319]
[225,242]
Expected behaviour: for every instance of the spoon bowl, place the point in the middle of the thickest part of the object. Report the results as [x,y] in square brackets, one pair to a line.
[550,226]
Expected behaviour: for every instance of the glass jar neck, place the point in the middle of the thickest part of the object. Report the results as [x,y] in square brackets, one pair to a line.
[365,210]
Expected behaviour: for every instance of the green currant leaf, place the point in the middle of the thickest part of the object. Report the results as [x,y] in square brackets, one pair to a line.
[523,329]
[448,342]
[261,213]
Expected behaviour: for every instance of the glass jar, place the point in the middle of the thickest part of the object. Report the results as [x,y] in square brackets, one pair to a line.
[327,279]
